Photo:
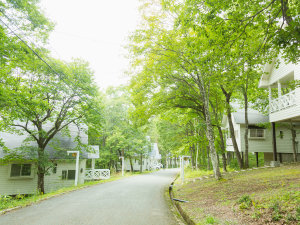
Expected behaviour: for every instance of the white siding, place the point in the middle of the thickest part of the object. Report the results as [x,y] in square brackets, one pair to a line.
[282,70]
[10,186]
[284,145]
[53,182]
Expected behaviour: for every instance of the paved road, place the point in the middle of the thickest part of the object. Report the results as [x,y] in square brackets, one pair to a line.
[137,200]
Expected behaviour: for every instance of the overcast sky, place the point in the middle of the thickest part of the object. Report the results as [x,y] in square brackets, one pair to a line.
[95,30]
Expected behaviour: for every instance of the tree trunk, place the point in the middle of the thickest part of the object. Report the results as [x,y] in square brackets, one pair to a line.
[141,163]
[41,171]
[209,130]
[131,166]
[231,128]
[294,142]
[223,149]
[197,153]
[208,160]
[246,130]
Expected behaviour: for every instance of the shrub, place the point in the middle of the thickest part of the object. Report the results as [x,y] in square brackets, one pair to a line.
[245,202]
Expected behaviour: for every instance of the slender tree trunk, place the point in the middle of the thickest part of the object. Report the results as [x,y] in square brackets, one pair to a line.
[246,129]
[41,171]
[208,159]
[223,149]
[294,142]
[231,128]
[197,154]
[141,163]
[131,166]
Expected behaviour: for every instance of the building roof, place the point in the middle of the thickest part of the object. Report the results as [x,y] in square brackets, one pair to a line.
[253,118]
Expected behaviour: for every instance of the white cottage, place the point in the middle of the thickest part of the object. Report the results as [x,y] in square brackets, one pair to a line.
[260,136]
[282,79]
[19,177]
[151,160]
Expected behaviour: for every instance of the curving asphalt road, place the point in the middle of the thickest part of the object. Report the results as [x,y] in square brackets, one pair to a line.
[137,200]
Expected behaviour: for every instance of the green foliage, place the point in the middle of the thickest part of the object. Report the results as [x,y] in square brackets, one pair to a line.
[245,202]
[211,220]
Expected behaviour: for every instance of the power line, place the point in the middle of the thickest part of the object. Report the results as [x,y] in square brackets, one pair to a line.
[44,61]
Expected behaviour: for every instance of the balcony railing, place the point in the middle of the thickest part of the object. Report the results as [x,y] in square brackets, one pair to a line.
[97,174]
[283,102]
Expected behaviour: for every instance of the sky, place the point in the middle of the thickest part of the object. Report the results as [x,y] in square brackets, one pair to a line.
[96,31]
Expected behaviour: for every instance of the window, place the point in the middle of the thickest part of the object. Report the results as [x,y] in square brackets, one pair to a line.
[20,170]
[68,175]
[257,133]
[281,134]
[54,169]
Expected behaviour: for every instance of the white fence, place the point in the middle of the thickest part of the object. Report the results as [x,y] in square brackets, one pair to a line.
[97,174]
[283,102]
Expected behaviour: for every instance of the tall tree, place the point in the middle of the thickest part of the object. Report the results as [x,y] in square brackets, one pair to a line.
[43,102]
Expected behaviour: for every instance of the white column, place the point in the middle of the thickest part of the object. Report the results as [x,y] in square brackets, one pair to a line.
[279,89]
[77,165]
[93,168]
[77,168]
[270,94]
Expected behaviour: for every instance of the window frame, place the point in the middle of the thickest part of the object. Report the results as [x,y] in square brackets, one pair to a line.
[66,176]
[31,176]
[256,129]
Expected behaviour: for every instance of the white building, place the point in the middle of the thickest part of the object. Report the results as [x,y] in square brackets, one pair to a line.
[282,80]
[151,160]
[20,176]
[260,136]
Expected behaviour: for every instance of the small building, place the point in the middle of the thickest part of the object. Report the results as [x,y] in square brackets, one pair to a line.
[20,176]
[150,161]
[260,136]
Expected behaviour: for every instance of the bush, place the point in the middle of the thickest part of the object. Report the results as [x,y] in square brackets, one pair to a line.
[245,202]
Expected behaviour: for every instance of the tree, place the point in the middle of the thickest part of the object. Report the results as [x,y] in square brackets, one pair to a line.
[174,62]
[45,101]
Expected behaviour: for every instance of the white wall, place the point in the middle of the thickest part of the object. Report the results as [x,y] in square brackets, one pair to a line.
[283,70]
[12,186]
[284,145]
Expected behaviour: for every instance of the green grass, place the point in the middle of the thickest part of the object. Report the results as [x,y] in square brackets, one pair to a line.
[249,197]
[7,202]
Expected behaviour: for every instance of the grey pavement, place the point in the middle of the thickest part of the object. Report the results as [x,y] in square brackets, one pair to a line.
[137,200]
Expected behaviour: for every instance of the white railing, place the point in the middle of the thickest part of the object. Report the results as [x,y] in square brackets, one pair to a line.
[283,102]
[97,174]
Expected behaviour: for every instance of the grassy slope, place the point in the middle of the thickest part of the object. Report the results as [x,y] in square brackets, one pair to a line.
[262,196]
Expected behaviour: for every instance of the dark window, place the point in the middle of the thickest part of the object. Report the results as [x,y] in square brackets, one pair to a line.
[281,134]
[20,170]
[54,169]
[64,175]
[68,175]
[15,170]
[26,170]
[71,174]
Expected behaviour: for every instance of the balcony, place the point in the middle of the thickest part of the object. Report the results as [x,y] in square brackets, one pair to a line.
[283,102]
[97,174]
